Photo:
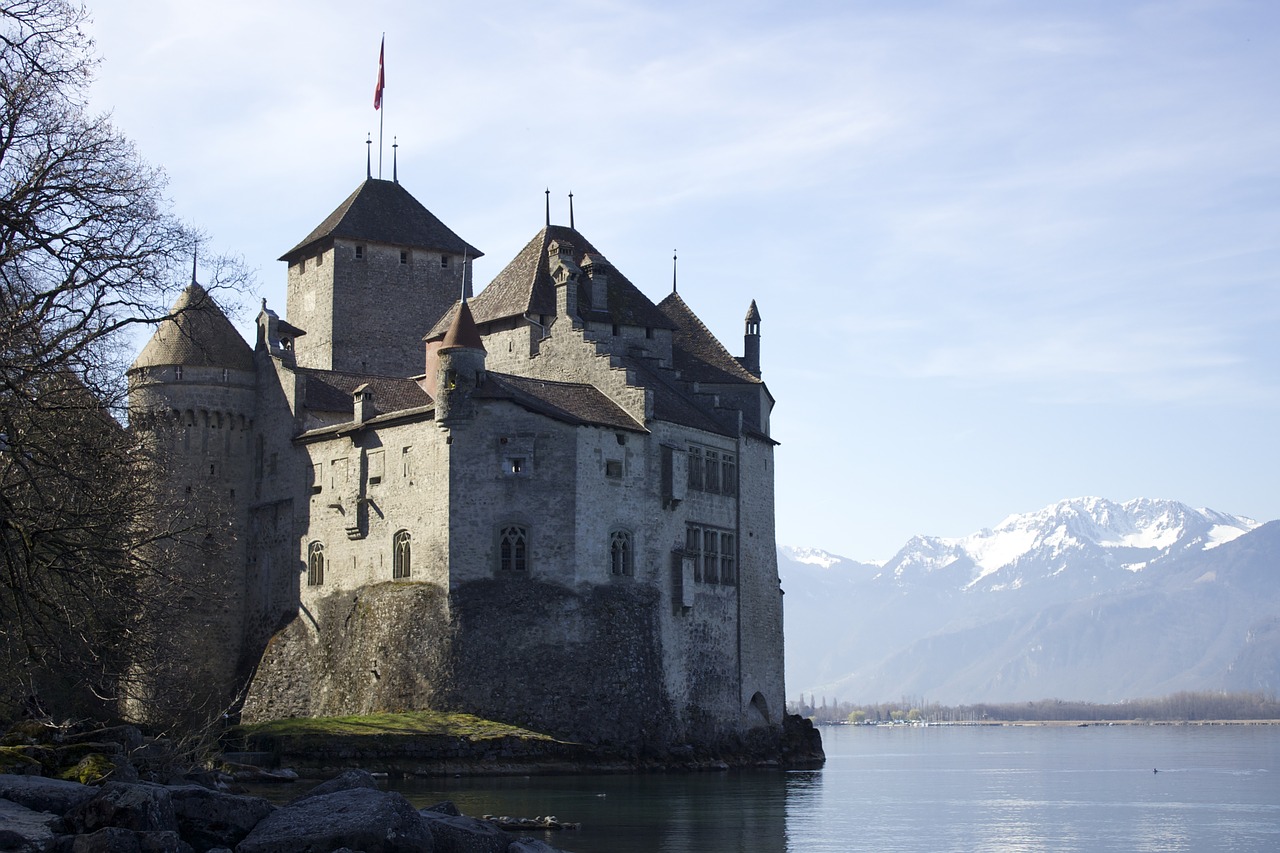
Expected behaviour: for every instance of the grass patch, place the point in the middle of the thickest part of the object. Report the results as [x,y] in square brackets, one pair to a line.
[407,724]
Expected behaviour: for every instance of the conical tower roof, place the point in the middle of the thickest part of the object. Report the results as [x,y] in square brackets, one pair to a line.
[462,331]
[384,212]
[197,334]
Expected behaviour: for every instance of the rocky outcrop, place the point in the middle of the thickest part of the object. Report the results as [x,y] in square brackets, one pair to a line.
[347,813]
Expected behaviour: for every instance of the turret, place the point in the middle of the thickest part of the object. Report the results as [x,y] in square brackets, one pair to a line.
[461,368]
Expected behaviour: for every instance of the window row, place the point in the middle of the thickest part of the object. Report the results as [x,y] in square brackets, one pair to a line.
[401,558]
[712,470]
[513,554]
[714,554]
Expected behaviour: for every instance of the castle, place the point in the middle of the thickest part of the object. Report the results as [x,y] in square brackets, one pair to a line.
[549,504]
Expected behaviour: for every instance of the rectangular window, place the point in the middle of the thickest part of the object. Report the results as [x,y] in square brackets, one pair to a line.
[404,258]
[375,466]
[729,474]
[728,576]
[695,468]
[613,468]
[444,262]
[711,556]
[337,474]
[406,462]
[711,482]
[359,253]
[693,544]
[317,478]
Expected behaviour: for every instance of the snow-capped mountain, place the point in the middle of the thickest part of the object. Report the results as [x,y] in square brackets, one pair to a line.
[1086,599]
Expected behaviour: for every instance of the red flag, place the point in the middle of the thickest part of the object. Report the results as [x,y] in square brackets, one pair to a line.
[382,77]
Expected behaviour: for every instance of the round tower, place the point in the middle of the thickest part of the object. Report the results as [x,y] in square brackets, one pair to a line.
[461,368]
[192,394]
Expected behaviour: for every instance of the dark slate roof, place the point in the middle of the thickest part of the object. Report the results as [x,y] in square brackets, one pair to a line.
[385,212]
[331,390]
[695,352]
[571,402]
[196,334]
[675,402]
[525,286]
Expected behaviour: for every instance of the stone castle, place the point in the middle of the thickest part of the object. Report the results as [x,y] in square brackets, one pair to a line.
[551,504]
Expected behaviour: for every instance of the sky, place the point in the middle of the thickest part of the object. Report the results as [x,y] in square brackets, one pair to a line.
[1005,253]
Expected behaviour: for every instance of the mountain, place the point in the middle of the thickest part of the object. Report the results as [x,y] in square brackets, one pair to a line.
[1087,599]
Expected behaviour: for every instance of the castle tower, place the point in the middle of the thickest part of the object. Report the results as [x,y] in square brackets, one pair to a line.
[372,279]
[191,398]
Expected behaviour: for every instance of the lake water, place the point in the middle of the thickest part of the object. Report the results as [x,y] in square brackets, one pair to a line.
[1008,789]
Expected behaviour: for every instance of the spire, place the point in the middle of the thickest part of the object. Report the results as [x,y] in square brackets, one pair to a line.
[674,255]
[548,207]
[395,177]
[195,254]
[368,156]
[751,341]
[571,209]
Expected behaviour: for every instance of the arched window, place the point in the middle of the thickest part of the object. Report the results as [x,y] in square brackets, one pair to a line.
[315,564]
[513,549]
[620,552]
[400,555]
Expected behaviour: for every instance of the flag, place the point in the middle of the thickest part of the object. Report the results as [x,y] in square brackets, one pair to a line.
[382,76]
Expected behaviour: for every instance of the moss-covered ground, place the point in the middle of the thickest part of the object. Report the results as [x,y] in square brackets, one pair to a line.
[409,723]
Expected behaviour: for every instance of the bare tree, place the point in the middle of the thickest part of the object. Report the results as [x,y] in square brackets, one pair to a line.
[88,249]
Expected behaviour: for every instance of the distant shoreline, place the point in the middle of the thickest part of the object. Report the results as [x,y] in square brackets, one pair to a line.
[1079,724]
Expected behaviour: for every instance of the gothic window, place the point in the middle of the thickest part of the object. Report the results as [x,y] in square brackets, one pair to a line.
[400,556]
[620,556]
[513,549]
[315,564]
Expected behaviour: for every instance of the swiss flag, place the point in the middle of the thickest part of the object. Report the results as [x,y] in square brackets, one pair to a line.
[382,76]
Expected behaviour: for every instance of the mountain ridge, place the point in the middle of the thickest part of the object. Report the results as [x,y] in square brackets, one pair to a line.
[1048,603]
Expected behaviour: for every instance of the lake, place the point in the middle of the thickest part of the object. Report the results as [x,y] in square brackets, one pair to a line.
[941,788]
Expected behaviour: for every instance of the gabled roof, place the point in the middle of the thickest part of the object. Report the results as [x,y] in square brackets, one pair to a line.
[196,334]
[695,352]
[331,390]
[384,212]
[525,287]
[570,402]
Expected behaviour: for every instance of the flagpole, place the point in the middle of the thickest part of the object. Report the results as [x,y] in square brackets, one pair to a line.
[382,114]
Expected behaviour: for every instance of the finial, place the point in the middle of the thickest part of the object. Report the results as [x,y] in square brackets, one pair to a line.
[368,156]
[394,145]
[674,255]
[195,254]
[571,209]
[464,275]
[548,207]
[264,303]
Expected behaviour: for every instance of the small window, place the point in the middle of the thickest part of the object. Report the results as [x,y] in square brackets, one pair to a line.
[359,253]
[315,564]
[404,258]
[710,556]
[516,465]
[727,574]
[320,259]
[695,468]
[620,553]
[444,262]
[616,330]
[513,549]
[711,481]
[613,468]
[177,372]
[226,375]
[375,467]
[302,265]
[648,332]
[401,553]
[317,478]
[406,462]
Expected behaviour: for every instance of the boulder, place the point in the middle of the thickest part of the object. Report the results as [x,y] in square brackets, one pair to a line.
[209,819]
[137,807]
[459,834]
[25,830]
[348,780]
[360,818]
[45,795]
